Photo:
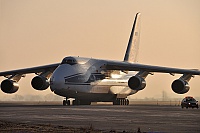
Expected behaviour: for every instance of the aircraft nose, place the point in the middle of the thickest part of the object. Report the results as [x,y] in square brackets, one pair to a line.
[57,80]
[55,83]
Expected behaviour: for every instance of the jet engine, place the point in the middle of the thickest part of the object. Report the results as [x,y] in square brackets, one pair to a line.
[40,83]
[180,86]
[137,83]
[9,86]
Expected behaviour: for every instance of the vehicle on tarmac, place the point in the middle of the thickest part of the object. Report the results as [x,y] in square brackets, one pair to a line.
[189,102]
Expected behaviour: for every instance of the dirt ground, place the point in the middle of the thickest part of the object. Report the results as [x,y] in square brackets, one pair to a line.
[14,127]
[53,117]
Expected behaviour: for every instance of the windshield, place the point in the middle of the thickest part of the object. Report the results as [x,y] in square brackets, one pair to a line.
[75,60]
[190,99]
[69,60]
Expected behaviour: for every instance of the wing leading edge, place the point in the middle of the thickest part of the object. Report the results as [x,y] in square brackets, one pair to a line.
[38,69]
[126,66]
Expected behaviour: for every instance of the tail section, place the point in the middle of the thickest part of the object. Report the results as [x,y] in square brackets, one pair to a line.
[133,44]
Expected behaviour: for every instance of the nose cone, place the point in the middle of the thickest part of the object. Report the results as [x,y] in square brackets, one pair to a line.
[57,80]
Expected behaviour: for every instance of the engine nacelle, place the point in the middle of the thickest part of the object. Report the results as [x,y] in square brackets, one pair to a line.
[136,83]
[40,83]
[9,86]
[180,86]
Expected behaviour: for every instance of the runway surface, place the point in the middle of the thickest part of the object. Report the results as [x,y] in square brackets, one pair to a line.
[149,118]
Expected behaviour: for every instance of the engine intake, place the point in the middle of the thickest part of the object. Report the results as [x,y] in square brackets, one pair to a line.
[136,83]
[40,83]
[9,86]
[180,86]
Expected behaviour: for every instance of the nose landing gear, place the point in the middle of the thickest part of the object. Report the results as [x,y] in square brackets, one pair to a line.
[76,102]
[66,102]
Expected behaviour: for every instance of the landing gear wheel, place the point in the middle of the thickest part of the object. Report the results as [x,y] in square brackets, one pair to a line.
[68,102]
[121,101]
[127,102]
[64,103]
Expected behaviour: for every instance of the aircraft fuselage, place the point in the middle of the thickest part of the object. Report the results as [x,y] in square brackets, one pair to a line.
[85,78]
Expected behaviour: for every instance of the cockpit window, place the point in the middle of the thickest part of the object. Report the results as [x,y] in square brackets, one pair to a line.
[69,60]
[75,60]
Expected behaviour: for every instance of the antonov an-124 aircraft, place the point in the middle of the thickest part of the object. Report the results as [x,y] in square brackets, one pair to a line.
[89,80]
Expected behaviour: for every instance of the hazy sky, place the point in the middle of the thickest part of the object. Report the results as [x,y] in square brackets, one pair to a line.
[34,33]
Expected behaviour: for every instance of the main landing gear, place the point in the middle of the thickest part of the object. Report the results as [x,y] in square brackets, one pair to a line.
[118,101]
[121,101]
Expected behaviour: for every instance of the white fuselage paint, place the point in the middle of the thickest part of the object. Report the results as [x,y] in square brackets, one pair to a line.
[85,80]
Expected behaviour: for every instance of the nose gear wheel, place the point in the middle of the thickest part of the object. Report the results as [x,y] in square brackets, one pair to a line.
[66,102]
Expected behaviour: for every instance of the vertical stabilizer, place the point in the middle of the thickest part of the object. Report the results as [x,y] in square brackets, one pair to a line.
[133,43]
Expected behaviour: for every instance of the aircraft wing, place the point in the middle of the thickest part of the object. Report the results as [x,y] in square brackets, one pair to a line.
[38,69]
[126,66]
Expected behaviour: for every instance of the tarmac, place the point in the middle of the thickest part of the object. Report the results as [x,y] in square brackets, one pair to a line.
[104,117]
